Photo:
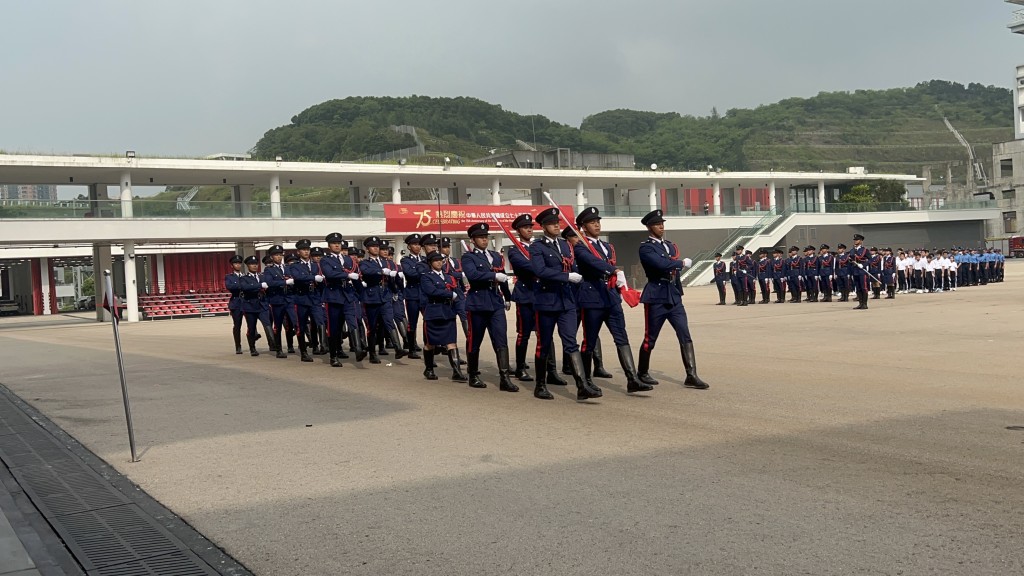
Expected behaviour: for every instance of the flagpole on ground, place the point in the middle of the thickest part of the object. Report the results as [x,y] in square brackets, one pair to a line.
[110,303]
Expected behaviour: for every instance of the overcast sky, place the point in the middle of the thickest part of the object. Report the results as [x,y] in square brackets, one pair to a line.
[196,77]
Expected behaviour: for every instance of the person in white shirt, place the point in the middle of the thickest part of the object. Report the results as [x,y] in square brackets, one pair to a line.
[951,273]
[919,270]
[901,272]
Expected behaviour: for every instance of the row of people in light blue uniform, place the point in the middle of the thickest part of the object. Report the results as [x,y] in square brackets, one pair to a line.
[979,267]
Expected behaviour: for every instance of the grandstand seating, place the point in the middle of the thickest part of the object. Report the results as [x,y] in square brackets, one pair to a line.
[185,305]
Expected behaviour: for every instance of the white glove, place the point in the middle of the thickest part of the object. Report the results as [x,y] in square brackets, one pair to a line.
[501,277]
[401,275]
[620,279]
[264,285]
[508,306]
[290,281]
[364,284]
[575,278]
[392,273]
[687,262]
[318,278]
[353,276]
[455,295]
[859,265]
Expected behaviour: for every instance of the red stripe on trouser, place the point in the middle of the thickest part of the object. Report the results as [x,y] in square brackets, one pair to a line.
[426,341]
[469,332]
[273,319]
[647,321]
[536,326]
[583,322]
[519,326]
[298,321]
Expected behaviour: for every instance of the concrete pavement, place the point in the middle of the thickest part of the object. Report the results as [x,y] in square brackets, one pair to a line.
[831,442]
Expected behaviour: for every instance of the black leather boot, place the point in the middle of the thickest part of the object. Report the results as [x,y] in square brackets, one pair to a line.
[584,390]
[252,345]
[540,390]
[645,365]
[504,382]
[428,362]
[304,352]
[474,371]
[566,365]
[456,364]
[289,334]
[334,347]
[862,301]
[358,337]
[521,372]
[236,333]
[275,340]
[553,379]
[588,358]
[599,371]
[371,348]
[384,341]
[410,341]
[399,351]
[690,363]
[633,384]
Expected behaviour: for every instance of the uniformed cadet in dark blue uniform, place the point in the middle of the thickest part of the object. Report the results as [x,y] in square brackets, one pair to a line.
[396,285]
[734,280]
[289,295]
[410,267]
[336,270]
[598,356]
[355,314]
[251,287]
[721,277]
[859,258]
[599,300]
[826,269]
[794,272]
[275,283]
[304,273]
[663,299]
[265,317]
[319,332]
[763,267]
[439,332]
[555,267]
[744,275]
[875,268]
[522,293]
[376,297]
[453,268]
[810,273]
[231,284]
[843,283]
[486,303]
[889,273]
[779,276]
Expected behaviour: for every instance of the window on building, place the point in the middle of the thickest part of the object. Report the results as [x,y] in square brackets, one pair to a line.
[1006,168]
[1010,222]
[1009,194]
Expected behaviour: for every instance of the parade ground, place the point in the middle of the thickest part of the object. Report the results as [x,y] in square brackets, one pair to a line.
[831,441]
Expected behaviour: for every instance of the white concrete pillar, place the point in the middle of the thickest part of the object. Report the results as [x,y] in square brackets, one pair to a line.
[275,196]
[161,277]
[771,195]
[716,198]
[131,288]
[821,196]
[44,285]
[126,195]
[581,196]
[496,192]
[652,195]
[396,190]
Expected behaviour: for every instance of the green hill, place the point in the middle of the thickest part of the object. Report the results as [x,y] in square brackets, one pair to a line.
[896,130]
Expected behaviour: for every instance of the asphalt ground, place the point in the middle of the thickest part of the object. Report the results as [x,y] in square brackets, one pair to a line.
[832,441]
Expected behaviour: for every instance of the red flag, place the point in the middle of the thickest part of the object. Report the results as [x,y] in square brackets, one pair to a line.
[110,304]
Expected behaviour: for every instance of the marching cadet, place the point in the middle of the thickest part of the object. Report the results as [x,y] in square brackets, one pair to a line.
[289,294]
[232,285]
[411,278]
[598,358]
[336,269]
[453,268]
[397,287]
[319,332]
[734,280]
[275,282]
[600,302]
[764,275]
[744,275]
[794,272]
[555,267]
[859,260]
[663,299]
[889,273]
[486,303]
[826,269]
[376,297]
[875,267]
[251,287]
[522,293]
[439,293]
[721,277]
[779,276]
[304,274]
[266,319]
[810,274]
[355,316]
[843,264]
[752,281]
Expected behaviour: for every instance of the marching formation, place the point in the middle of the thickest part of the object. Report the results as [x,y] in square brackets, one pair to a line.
[565,280]
[820,273]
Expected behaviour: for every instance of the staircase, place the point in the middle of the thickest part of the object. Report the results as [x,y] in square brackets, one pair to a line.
[751,237]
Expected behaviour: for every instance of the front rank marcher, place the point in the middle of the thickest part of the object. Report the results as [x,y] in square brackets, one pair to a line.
[486,303]
[663,299]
